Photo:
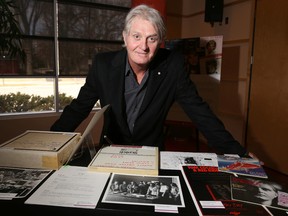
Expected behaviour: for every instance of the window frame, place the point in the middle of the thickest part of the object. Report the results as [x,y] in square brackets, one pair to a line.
[56,40]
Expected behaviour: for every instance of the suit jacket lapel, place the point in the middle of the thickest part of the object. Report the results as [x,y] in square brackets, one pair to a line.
[116,85]
[156,76]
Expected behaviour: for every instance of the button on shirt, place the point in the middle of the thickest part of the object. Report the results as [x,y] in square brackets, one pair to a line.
[134,95]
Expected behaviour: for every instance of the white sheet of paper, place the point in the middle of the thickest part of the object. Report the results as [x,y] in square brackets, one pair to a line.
[166,208]
[70,186]
[172,160]
[212,204]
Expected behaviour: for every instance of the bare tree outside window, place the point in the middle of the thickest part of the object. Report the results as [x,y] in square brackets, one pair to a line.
[85,27]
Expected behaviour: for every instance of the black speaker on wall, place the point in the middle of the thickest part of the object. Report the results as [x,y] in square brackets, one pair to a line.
[214,10]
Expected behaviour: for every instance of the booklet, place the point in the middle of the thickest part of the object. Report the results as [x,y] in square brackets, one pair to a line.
[126,159]
[241,166]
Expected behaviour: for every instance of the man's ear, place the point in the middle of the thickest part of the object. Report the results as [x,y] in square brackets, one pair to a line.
[124,35]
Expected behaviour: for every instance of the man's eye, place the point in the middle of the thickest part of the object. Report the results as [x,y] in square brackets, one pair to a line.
[152,39]
[137,37]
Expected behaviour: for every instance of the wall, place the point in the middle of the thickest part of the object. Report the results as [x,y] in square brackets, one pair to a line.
[185,19]
[268,122]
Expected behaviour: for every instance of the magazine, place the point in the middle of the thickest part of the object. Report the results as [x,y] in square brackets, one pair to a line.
[211,193]
[259,191]
[241,166]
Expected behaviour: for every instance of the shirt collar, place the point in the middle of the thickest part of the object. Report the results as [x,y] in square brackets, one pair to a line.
[128,69]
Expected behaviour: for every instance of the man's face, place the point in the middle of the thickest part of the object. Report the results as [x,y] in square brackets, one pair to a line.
[266,192]
[142,42]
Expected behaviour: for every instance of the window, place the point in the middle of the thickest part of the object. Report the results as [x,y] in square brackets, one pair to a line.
[60,39]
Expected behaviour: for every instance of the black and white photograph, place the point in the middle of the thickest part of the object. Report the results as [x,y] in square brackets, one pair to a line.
[144,190]
[18,182]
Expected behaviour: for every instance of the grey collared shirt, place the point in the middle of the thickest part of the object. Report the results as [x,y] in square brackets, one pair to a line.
[134,95]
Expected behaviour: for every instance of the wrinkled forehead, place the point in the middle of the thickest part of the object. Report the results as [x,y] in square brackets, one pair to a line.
[142,22]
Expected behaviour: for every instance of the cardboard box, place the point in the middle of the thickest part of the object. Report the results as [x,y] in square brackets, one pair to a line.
[38,149]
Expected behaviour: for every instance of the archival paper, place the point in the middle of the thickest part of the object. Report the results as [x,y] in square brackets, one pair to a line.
[38,149]
[70,186]
[126,159]
[40,140]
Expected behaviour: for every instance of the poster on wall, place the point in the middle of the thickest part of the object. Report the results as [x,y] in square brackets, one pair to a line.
[210,63]
[190,47]
[203,59]
[203,55]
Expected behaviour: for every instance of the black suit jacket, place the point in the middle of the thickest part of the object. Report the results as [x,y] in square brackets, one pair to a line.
[168,82]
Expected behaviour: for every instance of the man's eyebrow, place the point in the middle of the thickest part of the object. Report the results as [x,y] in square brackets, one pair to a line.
[153,35]
[148,36]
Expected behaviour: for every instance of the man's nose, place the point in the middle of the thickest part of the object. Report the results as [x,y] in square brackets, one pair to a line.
[144,44]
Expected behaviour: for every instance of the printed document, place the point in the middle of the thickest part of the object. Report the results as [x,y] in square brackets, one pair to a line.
[70,186]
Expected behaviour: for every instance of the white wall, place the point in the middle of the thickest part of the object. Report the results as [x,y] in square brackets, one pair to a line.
[233,87]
